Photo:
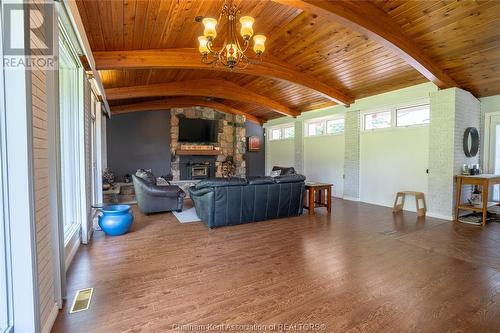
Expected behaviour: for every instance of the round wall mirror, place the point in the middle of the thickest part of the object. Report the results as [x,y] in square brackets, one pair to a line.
[471,142]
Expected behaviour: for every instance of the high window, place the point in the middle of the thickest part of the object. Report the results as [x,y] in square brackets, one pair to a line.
[378,120]
[397,117]
[414,115]
[324,126]
[282,132]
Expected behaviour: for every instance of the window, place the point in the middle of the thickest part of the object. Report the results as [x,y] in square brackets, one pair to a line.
[289,132]
[335,126]
[316,128]
[282,132]
[415,115]
[276,134]
[377,120]
[71,125]
[324,126]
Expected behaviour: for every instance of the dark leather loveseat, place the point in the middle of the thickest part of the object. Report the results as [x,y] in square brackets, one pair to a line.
[152,198]
[220,202]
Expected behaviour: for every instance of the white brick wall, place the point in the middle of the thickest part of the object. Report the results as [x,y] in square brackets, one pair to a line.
[351,159]
[299,146]
[467,114]
[452,111]
[441,153]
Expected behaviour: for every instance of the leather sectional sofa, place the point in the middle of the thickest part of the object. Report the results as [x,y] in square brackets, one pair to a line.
[221,202]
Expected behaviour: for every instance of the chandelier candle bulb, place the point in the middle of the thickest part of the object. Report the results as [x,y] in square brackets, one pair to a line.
[203,48]
[210,31]
[246,30]
[259,44]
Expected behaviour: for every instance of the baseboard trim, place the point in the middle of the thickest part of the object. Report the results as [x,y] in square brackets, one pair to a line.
[345,197]
[72,253]
[47,327]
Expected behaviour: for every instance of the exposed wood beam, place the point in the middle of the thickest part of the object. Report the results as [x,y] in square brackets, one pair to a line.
[181,102]
[368,19]
[190,59]
[202,88]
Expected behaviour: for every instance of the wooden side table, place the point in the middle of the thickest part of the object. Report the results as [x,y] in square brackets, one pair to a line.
[485,181]
[317,195]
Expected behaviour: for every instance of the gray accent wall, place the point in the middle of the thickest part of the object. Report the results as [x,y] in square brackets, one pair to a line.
[255,161]
[139,140]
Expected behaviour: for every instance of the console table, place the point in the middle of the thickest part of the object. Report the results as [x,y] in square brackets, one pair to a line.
[313,195]
[485,181]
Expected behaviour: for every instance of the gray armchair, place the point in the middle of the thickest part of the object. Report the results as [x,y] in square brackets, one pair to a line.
[152,198]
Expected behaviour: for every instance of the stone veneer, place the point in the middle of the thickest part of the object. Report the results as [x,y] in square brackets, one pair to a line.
[231,137]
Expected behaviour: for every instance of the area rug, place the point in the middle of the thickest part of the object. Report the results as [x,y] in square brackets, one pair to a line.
[187,216]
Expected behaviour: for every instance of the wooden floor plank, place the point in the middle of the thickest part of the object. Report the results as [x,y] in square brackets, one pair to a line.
[360,269]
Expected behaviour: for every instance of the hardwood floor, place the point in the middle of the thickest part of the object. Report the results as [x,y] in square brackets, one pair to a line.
[360,269]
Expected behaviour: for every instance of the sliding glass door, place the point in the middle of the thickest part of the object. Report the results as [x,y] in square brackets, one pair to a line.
[4,253]
[5,307]
[71,145]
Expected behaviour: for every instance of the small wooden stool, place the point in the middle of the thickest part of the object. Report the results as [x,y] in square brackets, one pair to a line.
[398,204]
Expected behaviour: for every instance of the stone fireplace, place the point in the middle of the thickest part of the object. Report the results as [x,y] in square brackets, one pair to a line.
[231,142]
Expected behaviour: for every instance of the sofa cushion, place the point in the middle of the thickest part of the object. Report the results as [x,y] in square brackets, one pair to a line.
[260,180]
[218,182]
[284,170]
[294,178]
[146,175]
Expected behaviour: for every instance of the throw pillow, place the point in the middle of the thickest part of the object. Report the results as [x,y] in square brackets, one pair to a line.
[146,175]
[275,173]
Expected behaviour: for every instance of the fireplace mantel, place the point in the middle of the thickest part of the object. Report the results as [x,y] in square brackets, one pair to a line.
[197,152]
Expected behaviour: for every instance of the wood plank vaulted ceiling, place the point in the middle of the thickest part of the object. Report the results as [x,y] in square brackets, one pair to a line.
[331,59]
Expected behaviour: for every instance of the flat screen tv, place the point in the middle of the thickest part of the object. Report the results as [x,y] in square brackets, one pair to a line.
[197,130]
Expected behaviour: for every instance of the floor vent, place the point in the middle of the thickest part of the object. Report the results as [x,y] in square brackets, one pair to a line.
[82,300]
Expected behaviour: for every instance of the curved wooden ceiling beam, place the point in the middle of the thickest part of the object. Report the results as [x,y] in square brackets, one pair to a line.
[202,88]
[190,59]
[368,19]
[181,102]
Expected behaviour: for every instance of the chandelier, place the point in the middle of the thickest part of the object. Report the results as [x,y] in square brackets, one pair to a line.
[233,52]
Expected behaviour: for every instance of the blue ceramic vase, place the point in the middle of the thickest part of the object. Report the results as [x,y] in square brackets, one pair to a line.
[115,219]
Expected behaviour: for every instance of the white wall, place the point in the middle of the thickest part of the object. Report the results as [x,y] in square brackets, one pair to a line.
[406,153]
[281,152]
[324,161]
[391,161]
[490,104]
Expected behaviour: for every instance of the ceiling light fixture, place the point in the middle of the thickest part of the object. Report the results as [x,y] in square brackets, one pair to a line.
[232,53]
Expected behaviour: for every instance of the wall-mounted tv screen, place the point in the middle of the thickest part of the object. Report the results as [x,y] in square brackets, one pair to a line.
[197,130]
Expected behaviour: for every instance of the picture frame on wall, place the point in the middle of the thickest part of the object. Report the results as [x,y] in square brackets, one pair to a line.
[253,143]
